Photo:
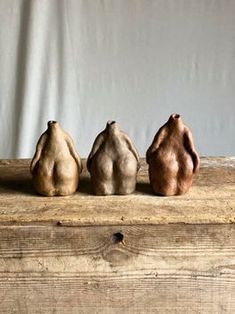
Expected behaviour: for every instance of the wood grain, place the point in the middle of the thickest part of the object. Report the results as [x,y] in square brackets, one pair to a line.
[210,200]
[118,254]
[155,269]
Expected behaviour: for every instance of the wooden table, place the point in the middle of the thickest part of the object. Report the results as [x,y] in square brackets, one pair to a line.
[118,254]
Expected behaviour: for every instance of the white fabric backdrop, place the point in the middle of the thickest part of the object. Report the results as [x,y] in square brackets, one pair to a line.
[82,62]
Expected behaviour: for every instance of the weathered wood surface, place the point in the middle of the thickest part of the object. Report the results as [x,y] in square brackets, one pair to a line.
[210,200]
[66,254]
[162,269]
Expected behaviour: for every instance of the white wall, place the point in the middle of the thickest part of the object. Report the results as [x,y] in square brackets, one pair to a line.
[135,61]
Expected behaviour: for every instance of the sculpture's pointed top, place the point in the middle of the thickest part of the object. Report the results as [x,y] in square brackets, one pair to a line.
[175,116]
[52,122]
[175,119]
[53,125]
[112,126]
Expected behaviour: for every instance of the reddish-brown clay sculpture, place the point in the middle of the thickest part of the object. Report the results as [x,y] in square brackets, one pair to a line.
[172,158]
[56,166]
[113,162]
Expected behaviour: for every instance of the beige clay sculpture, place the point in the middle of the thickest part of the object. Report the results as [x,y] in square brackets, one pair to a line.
[56,166]
[113,162]
[172,158]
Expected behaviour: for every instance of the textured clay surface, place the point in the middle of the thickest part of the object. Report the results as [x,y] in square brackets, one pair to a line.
[56,166]
[172,158]
[113,162]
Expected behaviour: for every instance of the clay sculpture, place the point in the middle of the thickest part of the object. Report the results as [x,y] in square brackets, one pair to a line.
[56,166]
[172,158]
[113,162]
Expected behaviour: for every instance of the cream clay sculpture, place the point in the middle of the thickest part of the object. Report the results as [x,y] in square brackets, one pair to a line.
[56,166]
[113,162]
[172,158]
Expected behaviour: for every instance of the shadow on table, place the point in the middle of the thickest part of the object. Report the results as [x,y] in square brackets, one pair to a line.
[21,185]
[24,186]
[85,186]
[144,188]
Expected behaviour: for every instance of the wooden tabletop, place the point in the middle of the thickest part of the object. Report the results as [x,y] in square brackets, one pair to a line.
[211,199]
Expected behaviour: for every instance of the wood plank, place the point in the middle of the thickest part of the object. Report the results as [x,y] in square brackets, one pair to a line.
[210,200]
[154,269]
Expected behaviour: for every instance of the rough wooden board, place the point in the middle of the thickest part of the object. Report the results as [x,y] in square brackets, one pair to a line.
[210,200]
[162,269]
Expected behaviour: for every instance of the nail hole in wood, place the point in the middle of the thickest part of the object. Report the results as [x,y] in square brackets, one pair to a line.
[117,237]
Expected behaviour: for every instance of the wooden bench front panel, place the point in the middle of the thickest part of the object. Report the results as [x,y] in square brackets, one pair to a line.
[173,268]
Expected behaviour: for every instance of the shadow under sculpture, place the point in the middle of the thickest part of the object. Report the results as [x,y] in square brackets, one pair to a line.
[113,162]
[56,166]
[172,158]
